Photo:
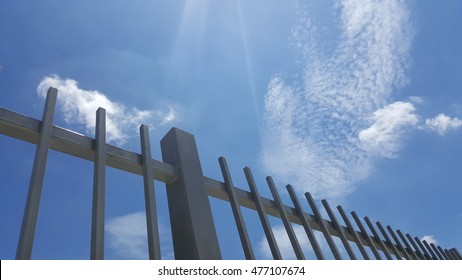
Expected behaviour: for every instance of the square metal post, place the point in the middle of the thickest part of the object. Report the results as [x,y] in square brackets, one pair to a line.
[193,230]
[29,222]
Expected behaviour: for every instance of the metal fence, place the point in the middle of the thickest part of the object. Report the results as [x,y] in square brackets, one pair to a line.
[188,190]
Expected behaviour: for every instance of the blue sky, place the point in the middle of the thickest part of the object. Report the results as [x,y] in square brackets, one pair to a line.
[358,102]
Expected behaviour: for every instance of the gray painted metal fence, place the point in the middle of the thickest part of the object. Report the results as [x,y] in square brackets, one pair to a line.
[188,190]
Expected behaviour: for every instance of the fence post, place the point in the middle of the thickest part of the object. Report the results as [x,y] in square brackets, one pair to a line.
[29,222]
[193,230]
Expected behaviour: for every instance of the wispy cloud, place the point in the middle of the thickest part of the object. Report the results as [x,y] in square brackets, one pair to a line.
[127,236]
[79,107]
[324,130]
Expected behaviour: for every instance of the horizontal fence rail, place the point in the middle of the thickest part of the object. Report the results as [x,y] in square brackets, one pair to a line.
[193,230]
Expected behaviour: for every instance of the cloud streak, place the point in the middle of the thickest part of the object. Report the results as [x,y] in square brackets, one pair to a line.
[324,130]
[79,107]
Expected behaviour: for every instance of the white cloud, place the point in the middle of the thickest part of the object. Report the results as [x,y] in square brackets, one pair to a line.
[442,123]
[79,107]
[127,236]
[311,128]
[383,137]
[430,239]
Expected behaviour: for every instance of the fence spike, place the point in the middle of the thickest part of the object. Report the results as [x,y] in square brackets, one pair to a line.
[29,222]
[306,225]
[233,200]
[288,226]
[262,214]
[398,243]
[339,229]
[152,225]
[353,232]
[366,235]
[388,240]
[324,229]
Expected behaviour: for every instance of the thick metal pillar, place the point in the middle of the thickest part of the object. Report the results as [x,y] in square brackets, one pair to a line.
[152,225]
[29,222]
[193,230]
[99,181]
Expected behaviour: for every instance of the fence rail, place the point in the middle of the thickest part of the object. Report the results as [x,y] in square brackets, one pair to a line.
[188,190]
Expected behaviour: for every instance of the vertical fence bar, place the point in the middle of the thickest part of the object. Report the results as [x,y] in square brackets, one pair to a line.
[377,238]
[262,214]
[448,254]
[443,253]
[339,229]
[429,249]
[193,230]
[152,225]
[389,242]
[233,200]
[29,222]
[409,248]
[353,232]
[417,250]
[324,229]
[398,243]
[422,248]
[436,251]
[366,235]
[99,179]
[306,225]
[288,226]
[456,253]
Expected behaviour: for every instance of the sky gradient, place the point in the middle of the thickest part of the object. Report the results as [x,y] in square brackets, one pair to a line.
[358,102]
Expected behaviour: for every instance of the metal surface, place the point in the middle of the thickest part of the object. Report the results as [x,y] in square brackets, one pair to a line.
[416,248]
[377,238]
[99,182]
[398,243]
[388,240]
[324,229]
[306,225]
[233,200]
[193,230]
[288,226]
[262,215]
[448,254]
[353,232]
[437,252]
[29,222]
[339,229]
[77,145]
[456,253]
[443,253]
[406,244]
[422,248]
[366,235]
[152,225]
[430,250]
